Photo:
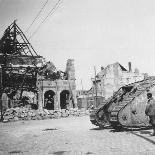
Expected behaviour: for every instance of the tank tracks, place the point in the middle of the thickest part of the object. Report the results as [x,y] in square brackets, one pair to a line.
[127,99]
[108,114]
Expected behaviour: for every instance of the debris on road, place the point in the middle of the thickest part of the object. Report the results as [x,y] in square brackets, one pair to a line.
[23,113]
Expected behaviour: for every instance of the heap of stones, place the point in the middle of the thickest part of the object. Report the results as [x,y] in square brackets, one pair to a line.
[24,113]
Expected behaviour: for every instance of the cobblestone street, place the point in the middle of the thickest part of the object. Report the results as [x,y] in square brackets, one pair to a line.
[71,136]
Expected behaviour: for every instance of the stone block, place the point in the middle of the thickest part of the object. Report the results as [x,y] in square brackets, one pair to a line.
[57,114]
[16,118]
[51,112]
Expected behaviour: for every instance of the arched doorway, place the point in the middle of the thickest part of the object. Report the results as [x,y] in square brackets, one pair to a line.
[49,100]
[64,99]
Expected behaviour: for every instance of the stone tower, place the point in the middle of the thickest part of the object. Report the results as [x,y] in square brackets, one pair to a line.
[70,70]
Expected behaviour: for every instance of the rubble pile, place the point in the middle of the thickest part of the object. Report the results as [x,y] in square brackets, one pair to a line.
[24,113]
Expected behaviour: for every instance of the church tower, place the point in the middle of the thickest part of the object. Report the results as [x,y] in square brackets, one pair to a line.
[70,70]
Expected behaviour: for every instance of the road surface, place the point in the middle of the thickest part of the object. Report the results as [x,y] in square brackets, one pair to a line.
[71,136]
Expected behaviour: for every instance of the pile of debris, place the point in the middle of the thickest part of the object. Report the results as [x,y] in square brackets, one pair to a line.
[24,113]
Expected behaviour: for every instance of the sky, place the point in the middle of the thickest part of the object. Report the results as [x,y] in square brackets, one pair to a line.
[92,32]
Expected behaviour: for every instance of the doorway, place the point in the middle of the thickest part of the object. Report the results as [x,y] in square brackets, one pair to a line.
[49,100]
[64,99]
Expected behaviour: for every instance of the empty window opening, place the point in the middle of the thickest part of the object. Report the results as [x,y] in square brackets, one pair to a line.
[49,100]
[64,99]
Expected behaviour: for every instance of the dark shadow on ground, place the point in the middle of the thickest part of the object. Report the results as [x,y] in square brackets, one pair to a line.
[59,152]
[120,129]
[15,152]
[145,132]
[50,129]
[147,139]
[89,153]
[101,128]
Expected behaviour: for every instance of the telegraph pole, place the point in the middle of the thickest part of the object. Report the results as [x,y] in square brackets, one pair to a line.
[81,84]
[82,94]
[1,91]
[95,87]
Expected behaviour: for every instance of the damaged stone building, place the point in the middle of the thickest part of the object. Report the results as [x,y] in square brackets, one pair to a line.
[59,93]
[27,75]
[110,79]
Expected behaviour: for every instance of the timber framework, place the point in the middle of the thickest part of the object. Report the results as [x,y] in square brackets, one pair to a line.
[29,79]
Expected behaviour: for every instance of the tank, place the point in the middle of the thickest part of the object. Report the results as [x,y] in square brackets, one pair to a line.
[126,108]
[97,115]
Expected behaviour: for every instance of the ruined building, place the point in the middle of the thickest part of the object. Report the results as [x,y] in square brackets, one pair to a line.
[59,93]
[111,78]
[29,79]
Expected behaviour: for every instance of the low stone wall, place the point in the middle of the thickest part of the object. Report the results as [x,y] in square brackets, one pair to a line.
[15,114]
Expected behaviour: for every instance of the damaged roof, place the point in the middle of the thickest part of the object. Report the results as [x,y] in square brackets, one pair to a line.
[122,68]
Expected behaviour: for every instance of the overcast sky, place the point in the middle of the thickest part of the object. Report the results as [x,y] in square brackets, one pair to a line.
[92,32]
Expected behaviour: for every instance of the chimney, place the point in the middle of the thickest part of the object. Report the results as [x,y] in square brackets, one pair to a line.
[129,64]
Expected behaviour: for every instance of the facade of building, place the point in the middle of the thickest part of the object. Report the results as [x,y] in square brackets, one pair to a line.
[81,99]
[23,73]
[111,78]
[58,94]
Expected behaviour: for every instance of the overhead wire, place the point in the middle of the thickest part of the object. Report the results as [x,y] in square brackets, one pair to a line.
[52,11]
[38,14]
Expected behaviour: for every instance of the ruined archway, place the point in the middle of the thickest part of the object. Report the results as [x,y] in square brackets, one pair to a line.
[64,99]
[49,100]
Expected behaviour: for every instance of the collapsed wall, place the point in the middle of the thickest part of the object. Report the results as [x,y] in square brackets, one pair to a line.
[24,72]
[58,93]
[24,113]
[112,77]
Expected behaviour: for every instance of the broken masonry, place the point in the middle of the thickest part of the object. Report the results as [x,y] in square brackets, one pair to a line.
[30,80]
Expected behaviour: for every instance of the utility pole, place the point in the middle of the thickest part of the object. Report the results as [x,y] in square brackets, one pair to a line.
[81,84]
[95,87]
[1,91]
[82,93]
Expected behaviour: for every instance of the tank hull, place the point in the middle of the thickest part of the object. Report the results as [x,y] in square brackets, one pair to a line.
[127,106]
[133,114]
